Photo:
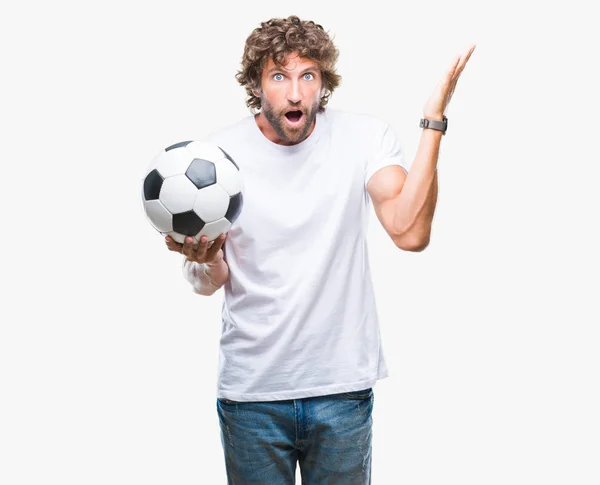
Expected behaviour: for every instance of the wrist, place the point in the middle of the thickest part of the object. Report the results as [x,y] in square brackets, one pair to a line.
[213,264]
[433,123]
[434,116]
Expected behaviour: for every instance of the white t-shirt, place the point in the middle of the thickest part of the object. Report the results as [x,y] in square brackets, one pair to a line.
[299,317]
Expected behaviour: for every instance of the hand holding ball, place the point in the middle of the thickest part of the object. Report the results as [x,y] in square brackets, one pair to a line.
[192,188]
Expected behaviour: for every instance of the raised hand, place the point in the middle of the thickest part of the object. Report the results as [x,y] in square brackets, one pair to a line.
[439,100]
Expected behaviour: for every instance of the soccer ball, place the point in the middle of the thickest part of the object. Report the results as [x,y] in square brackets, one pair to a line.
[192,188]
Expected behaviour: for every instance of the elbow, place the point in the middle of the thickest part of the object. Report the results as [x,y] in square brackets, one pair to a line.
[413,245]
[205,288]
[204,291]
[420,247]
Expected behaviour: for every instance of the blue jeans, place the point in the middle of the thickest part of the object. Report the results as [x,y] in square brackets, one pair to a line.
[330,437]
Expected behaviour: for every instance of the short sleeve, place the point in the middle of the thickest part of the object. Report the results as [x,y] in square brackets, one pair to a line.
[387,151]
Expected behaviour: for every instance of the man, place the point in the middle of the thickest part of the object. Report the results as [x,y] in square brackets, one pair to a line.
[300,349]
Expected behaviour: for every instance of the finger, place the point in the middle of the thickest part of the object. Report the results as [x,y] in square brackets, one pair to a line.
[451,88]
[178,248]
[457,73]
[172,245]
[450,73]
[463,62]
[188,248]
[445,82]
[454,71]
[217,244]
[201,249]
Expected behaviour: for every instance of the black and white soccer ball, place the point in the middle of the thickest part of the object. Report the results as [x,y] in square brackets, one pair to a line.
[192,188]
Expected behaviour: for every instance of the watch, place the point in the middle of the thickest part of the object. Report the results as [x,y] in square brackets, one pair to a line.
[435,124]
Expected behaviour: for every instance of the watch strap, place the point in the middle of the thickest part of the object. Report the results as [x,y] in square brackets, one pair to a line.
[435,124]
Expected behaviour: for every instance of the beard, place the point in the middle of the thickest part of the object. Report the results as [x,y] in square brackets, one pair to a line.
[291,135]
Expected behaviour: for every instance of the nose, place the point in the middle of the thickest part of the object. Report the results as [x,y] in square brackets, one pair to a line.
[294,95]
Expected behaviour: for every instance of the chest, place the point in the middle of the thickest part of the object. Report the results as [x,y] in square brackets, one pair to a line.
[291,200]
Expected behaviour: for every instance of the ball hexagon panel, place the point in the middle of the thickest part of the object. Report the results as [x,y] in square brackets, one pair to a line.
[204,150]
[235,207]
[202,173]
[152,185]
[228,176]
[187,223]
[178,194]
[173,162]
[211,203]
[159,216]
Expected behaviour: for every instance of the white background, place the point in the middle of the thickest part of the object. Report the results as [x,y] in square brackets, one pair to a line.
[108,360]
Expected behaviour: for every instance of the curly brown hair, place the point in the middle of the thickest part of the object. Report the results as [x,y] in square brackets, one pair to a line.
[278,37]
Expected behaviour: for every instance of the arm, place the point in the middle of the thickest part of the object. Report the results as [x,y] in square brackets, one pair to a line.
[204,265]
[206,278]
[405,203]
[415,205]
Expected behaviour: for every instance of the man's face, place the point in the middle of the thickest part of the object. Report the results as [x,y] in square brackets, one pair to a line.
[290,97]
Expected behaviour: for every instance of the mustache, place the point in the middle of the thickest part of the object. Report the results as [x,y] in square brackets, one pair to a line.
[294,108]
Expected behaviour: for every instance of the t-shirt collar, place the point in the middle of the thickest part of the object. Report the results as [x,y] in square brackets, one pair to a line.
[320,121]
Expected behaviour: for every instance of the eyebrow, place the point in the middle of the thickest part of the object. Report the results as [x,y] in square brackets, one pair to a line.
[273,69]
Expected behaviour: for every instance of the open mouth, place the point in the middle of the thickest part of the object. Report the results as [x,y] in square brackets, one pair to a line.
[294,117]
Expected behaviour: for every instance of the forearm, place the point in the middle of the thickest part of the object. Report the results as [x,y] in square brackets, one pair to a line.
[415,205]
[206,279]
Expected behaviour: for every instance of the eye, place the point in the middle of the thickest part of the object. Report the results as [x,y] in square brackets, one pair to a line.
[278,79]
[308,74]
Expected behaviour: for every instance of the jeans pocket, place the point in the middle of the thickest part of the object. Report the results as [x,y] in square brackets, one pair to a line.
[362,394]
[222,400]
